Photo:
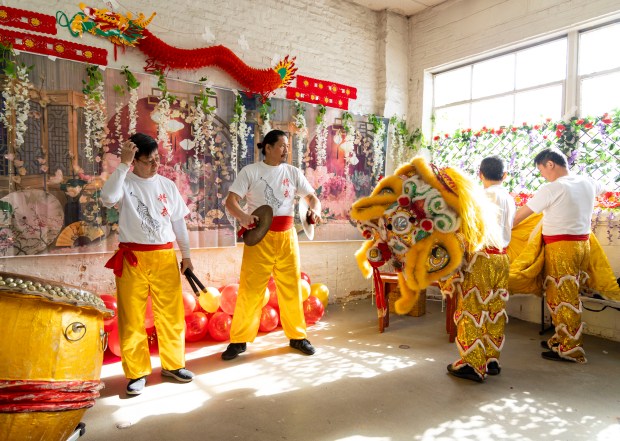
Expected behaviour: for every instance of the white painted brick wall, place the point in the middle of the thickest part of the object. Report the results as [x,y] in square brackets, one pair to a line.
[332,39]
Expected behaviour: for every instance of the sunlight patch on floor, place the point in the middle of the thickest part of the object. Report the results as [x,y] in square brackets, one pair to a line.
[518,417]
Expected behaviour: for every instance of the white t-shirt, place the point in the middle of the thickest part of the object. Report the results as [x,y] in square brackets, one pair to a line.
[276,186]
[567,204]
[506,203]
[147,207]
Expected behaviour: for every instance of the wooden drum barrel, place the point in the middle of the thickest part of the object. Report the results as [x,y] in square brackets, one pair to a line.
[51,343]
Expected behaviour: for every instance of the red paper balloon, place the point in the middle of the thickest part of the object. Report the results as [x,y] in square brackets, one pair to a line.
[313,310]
[114,343]
[196,326]
[269,319]
[219,326]
[305,277]
[229,298]
[149,321]
[110,303]
[189,302]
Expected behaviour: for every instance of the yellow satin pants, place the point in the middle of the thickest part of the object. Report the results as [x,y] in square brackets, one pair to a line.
[480,314]
[278,252]
[157,274]
[566,263]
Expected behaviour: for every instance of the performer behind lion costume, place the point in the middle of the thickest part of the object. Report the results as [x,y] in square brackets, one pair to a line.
[434,225]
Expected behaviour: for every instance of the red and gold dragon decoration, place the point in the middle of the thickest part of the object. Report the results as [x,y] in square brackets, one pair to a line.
[127,31]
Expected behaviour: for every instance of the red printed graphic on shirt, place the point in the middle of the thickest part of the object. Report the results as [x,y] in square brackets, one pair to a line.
[164,212]
[163,198]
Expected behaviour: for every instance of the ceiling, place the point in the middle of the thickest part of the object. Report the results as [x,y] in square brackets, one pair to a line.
[404,7]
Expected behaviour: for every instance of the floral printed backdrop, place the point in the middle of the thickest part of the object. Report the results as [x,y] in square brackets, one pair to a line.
[67,142]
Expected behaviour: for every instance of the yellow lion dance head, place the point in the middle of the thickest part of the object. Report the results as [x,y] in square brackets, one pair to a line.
[423,219]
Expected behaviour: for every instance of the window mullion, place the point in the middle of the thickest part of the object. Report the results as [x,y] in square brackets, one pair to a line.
[571,96]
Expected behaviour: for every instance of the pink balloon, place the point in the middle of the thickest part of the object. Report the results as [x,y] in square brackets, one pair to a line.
[313,310]
[268,319]
[229,298]
[189,302]
[219,326]
[149,321]
[196,326]
[305,277]
[110,303]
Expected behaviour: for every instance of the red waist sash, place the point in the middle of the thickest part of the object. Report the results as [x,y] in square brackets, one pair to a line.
[493,250]
[566,237]
[281,223]
[125,251]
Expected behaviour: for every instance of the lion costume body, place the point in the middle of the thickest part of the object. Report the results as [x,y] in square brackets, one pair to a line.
[435,225]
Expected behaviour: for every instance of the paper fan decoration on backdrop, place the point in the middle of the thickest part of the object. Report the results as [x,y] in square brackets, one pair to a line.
[79,233]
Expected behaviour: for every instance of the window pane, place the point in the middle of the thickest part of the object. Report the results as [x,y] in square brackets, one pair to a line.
[492,113]
[448,119]
[598,49]
[541,64]
[494,76]
[535,105]
[452,86]
[600,94]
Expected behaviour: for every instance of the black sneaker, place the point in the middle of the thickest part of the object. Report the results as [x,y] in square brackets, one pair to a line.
[233,350]
[545,345]
[302,345]
[182,374]
[551,355]
[493,368]
[136,386]
[467,372]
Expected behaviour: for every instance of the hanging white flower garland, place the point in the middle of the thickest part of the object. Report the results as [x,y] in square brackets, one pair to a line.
[397,141]
[164,115]
[94,114]
[378,130]
[321,137]
[16,95]
[239,132]
[202,116]
[132,105]
[302,131]
[348,144]
[132,108]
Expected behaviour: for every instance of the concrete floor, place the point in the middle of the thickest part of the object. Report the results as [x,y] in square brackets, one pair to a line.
[362,385]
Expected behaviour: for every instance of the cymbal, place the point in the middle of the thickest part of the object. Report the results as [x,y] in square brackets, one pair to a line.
[256,234]
[302,206]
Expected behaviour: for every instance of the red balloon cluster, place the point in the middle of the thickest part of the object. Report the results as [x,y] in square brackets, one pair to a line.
[201,324]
